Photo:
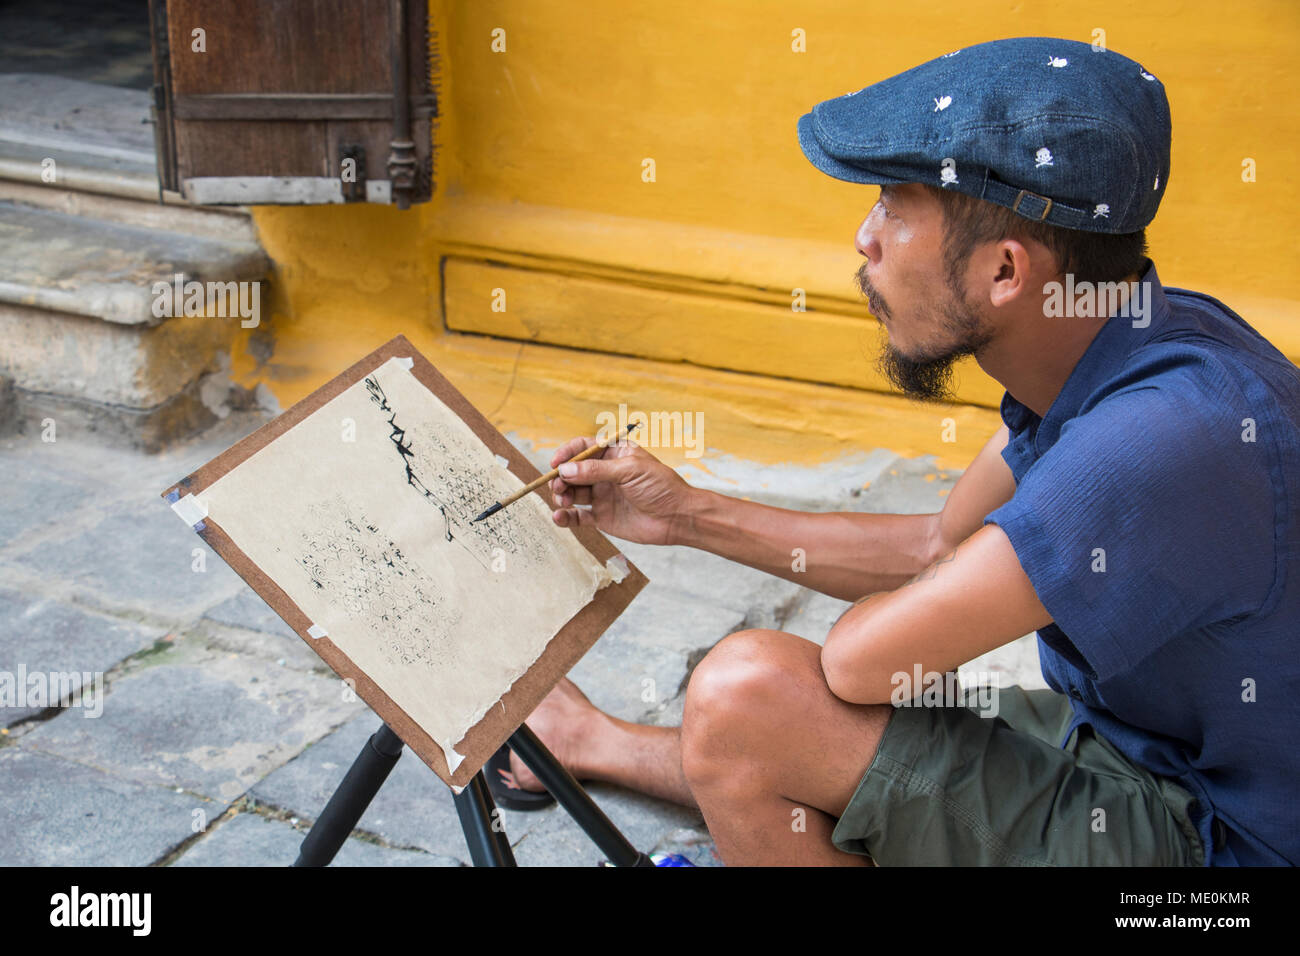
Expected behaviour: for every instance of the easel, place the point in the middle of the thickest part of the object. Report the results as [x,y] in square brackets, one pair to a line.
[488,844]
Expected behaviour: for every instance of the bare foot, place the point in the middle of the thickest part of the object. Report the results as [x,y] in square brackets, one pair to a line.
[562,722]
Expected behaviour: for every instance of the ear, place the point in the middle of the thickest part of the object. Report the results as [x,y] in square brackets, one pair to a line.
[1011,268]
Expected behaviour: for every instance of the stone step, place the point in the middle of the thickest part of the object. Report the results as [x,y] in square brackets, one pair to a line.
[109,126]
[72,197]
[88,150]
[84,343]
[107,270]
[89,243]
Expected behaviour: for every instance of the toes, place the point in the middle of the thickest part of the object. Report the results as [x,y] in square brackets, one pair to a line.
[523,777]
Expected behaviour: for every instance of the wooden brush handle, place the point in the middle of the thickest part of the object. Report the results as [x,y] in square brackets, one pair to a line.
[555,472]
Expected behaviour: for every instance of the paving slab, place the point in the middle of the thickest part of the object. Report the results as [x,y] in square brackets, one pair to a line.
[33,497]
[629,680]
[250,839]
[815,615]
[142,559]
[107,475]
[290,652]
[113,473]
[826,486]
[413,808]
[661,618]
[705,577]
[57,644]
[246,624]
[56,812]
[212,724]
[669,713]
[641,663]
[247,610]
[907,486]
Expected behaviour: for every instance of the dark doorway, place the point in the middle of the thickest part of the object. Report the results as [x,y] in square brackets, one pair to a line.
[96,41]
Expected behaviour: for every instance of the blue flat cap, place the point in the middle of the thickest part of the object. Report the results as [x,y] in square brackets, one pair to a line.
[1053,129]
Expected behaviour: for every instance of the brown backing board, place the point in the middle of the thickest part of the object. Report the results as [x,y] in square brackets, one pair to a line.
[564,649]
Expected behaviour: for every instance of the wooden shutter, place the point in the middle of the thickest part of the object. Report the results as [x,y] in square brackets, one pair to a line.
[294,101]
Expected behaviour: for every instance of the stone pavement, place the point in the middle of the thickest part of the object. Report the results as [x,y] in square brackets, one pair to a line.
[219,735]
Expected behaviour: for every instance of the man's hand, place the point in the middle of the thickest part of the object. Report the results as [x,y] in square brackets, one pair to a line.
[633,495]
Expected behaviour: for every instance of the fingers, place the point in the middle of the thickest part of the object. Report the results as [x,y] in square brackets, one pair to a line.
[571,448]
[571,495]
[566,451]
[573,517]
[595,470]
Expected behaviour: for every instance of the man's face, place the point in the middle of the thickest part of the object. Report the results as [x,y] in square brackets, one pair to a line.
[930,324]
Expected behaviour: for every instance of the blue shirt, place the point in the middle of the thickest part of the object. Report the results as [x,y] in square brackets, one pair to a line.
[1156,514]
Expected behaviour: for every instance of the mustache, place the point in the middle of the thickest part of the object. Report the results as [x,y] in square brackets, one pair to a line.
[875,302]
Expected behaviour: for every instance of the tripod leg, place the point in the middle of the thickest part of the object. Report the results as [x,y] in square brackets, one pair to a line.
[488,845]
[340,816]
[570,795]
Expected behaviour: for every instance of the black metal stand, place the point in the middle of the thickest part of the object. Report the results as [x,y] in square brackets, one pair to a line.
[488,844]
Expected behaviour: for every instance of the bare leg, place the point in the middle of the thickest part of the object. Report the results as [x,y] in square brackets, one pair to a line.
[592,745]
[771,755]
[768,753]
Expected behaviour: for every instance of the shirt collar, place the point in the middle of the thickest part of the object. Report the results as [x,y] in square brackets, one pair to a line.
[1108,350]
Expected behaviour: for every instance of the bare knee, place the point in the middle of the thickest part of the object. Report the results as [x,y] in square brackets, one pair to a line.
[739,696]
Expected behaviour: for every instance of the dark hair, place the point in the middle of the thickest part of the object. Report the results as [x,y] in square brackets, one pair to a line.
[1091,256]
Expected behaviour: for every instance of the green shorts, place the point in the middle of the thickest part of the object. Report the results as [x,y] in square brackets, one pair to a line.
[949,787]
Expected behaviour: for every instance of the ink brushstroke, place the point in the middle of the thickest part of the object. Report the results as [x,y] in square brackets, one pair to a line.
[398,437]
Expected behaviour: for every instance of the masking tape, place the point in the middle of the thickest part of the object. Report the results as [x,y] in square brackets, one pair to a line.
[502,460]
[191,510]
[317,632]
[617,568]
[406,363]
[454,759]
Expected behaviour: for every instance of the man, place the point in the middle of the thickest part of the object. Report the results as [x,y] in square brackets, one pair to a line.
[1137,509]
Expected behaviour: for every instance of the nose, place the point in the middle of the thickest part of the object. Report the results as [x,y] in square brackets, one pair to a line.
[865,241]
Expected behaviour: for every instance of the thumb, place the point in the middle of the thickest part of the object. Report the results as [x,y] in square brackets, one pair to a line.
[590,471]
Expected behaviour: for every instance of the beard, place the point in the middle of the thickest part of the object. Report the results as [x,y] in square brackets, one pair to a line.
[927,375]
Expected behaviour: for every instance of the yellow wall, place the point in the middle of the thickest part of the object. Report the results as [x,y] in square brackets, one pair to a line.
[540,192]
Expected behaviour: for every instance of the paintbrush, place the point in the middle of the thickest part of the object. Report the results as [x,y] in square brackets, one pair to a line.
[553,473]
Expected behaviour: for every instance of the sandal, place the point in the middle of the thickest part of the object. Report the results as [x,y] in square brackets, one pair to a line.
[505,792]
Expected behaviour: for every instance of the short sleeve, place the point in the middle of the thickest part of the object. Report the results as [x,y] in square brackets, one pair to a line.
[1148,517]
